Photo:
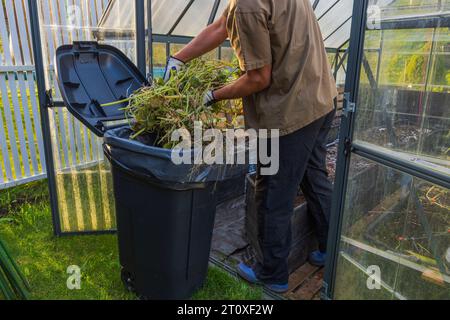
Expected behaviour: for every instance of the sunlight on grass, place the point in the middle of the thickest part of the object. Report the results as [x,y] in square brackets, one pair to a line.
[86,199]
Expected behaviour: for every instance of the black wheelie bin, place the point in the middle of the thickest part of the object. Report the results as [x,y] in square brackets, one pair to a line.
[165,212]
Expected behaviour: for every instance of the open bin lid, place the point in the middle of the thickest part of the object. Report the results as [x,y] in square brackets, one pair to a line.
[90,74]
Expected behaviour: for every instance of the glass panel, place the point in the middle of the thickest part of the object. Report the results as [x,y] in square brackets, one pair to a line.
[222,7]
[323,7]
[341,72]
[340,36]
[165,14]
[83,178]
[397,9]
[372,51]
[395,237]
[195,19]
[175,47]
[227,54]
[118,16]
[334,14]
[406,110]
[118,27]
[159,59]
[336,17]
[398,226]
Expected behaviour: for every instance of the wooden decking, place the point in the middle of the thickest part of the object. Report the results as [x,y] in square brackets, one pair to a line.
[305,283]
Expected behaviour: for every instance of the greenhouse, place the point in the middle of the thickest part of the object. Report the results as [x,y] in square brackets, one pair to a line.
[388,156]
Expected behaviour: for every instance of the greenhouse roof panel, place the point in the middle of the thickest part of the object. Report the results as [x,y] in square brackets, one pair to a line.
[166,12]
[222,7]
[335,21]
[118,16]
[189,17]
[199,11]
[338,38]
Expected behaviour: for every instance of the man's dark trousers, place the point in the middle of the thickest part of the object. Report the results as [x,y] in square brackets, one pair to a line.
[302,157]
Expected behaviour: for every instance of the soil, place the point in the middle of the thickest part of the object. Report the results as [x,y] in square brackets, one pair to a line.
[332,156]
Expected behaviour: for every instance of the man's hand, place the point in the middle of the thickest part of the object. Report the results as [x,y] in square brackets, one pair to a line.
[173,64]
[209,99]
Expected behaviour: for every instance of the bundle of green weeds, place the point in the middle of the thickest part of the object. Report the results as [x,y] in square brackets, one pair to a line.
[162,108]
[13,284]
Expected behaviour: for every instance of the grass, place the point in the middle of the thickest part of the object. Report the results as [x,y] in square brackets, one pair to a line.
[26,228]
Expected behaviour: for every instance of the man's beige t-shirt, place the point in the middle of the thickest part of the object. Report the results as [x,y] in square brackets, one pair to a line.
[285,34]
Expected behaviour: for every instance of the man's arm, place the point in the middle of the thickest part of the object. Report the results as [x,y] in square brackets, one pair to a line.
[251,82]
[210,38]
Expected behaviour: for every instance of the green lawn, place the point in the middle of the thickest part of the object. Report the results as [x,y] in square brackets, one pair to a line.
[25,226]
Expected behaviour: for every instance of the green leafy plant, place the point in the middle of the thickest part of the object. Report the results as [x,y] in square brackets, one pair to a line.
[164,107]
[13,284]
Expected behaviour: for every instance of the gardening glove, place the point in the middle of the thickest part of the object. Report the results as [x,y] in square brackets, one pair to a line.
[173,64]
[209,99]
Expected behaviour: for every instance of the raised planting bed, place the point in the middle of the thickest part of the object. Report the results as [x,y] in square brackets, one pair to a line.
[408,231]
[417,225]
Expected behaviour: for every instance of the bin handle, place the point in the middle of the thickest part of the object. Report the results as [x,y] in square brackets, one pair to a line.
[150,178]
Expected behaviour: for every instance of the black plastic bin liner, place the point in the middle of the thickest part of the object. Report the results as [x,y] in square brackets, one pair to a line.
[157,162]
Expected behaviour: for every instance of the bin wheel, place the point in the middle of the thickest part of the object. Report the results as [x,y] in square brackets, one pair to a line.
[127,280]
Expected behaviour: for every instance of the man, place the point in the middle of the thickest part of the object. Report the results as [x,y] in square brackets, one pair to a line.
[287,85]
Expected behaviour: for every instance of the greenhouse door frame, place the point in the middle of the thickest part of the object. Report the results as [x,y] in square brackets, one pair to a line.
[347,146]
[46,102]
